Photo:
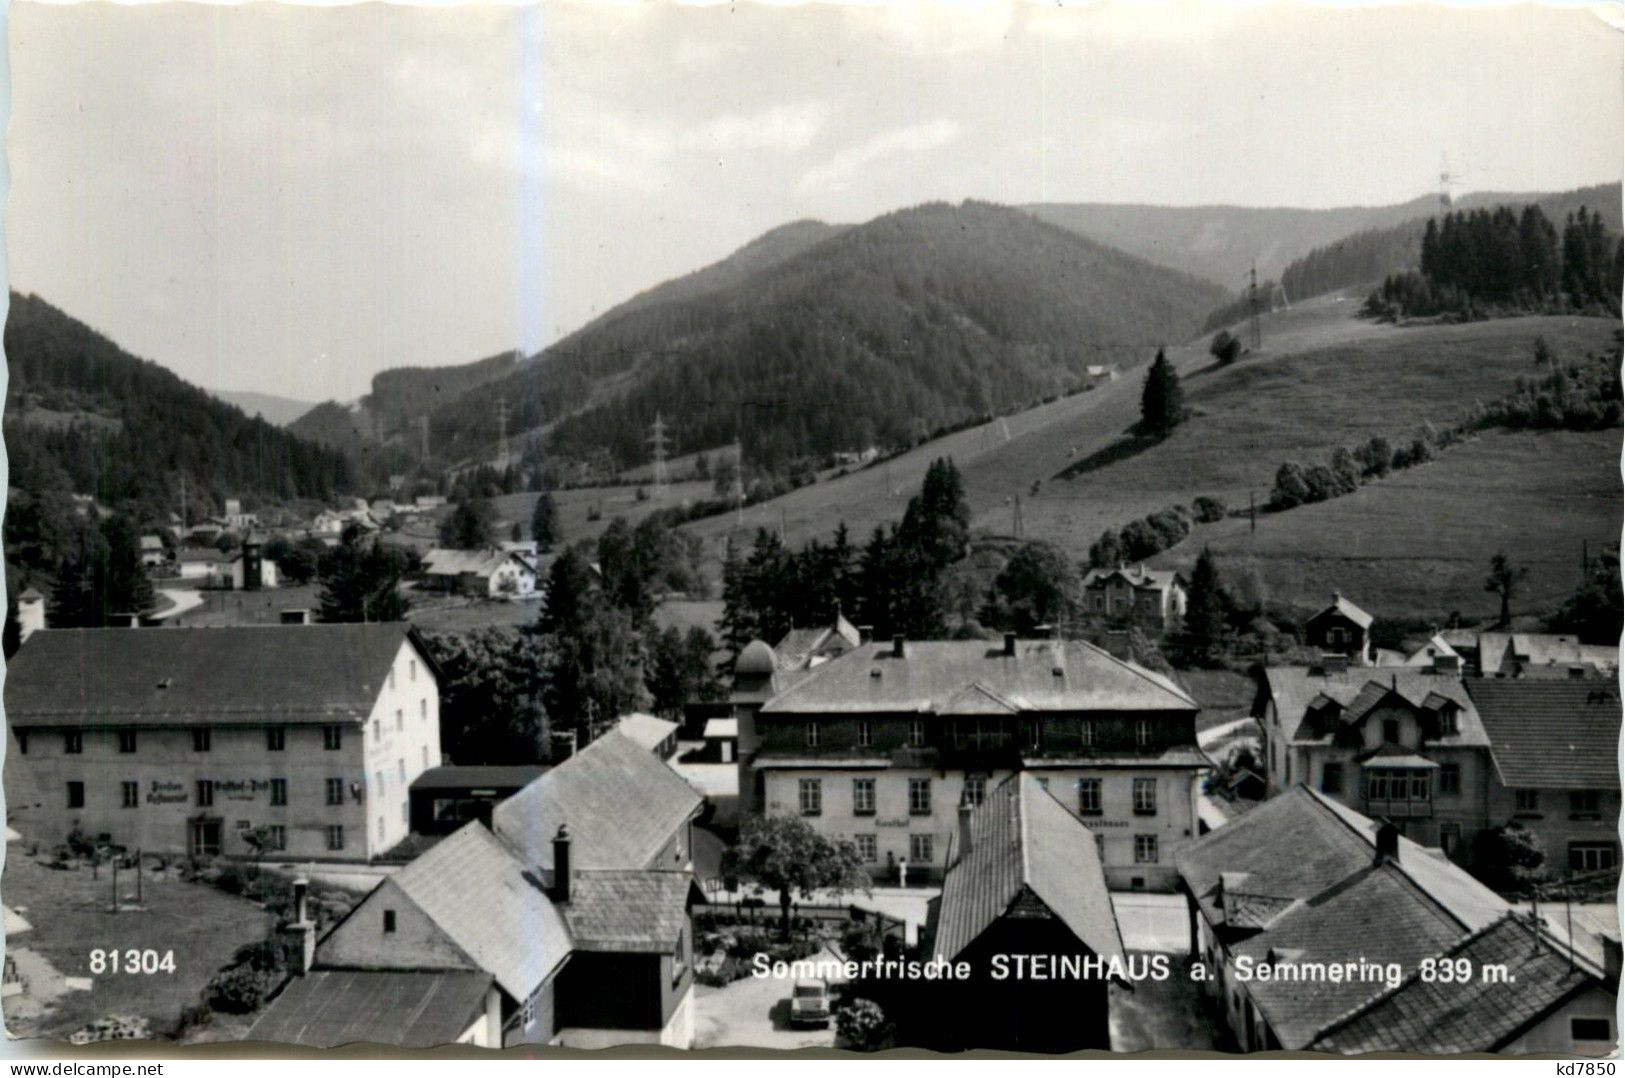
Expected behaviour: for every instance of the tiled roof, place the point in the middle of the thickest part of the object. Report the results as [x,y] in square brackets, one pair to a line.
[1342,606]
[1378,915]
[1478,1015]
[462,776]
[622,805]
[328,1008]
[1043,675]
[241,674]
[1561,733]
[800,646]
[1022,840]
[638,910]
[488,903]
[1295,688]
[647,730]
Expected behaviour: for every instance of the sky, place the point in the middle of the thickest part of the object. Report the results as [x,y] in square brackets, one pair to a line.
[290,199]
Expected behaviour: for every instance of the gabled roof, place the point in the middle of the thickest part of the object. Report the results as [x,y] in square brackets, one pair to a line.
[1478,1015]
[1043,675]
[801,646]
[638,910]
[1560,733]
[1023,840]
[1297,689]
[1496,650]
[622,804]
[977,699]
[442,562]
[1137,576]
[240,674]
[409,1009]
[487,902]
[1347,609]
[647,730]
[1436,647]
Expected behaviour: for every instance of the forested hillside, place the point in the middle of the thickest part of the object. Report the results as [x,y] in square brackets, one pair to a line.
[871,336]
[83,414]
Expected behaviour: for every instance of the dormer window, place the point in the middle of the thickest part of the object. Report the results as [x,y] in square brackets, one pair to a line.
[1390,731]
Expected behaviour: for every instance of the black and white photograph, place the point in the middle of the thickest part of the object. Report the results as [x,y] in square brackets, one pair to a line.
[997,529]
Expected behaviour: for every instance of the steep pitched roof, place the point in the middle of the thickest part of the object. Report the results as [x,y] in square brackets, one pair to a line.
[1560,734]
[1022,839]
[639,910]
[622,805]
[410,1009]
[1043,675]
[1137,576]
[1348,610]
[239,674]
[483,898]
[647,730]
[801,646]
[1479,1015]
[1295,688]
[1436,647]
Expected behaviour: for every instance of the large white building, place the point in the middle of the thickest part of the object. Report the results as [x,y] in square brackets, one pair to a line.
[199,740]
[882,744]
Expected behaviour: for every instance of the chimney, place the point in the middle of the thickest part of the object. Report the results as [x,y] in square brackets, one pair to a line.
[1009,645]
[1447,664]
[299,935]
[897,646]
[866,633]
[1387,842]
[964,828]
[296,617]
[561,866]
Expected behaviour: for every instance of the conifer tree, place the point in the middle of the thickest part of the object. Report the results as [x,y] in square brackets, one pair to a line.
[1162,402]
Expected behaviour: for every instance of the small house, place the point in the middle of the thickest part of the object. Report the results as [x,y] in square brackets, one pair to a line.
[1342,629]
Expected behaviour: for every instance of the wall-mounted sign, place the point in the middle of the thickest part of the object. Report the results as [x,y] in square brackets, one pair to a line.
[167,793]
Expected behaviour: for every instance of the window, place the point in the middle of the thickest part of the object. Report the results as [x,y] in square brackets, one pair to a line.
[1145,849]
[380,829]
[1585,804]
[335,836]
[126,740]
[1331,777]
[863,797]
[1591,1029]
[411,670]
[279,791]
[76,795]
[1142,732]
[130,794]
[812,735]
[400,720]
[1145,797]
[392,677]
[920,849]
[811,796]
[425,757]
[73,741]
[975,789]
[1032,734]
[1390,731]
[1447,721]
[400,765]
[389,920]
[377,729]
[205,792]
[423,710]
[332,738]
[1450,778]
[679,960]
[335,791]
[276,739]
[866,733]
[276,837]
[1089,797]
[1592,856]
[200,739]
[1086,733]
[1526,801]
[527,1013]
[868,849]
[916,734]
[919,797]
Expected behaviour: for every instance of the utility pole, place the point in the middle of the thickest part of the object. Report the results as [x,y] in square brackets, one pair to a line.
[502,433]
[423,424]
[739,482]
[657,443]
[1252,303]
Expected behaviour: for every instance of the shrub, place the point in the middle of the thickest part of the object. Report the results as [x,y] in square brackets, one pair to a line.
[1322,483]
[1291,488]
[239,990]
[1208,510]
[863,1026]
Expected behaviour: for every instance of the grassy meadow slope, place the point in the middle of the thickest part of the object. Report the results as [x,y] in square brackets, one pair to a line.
[1323,379]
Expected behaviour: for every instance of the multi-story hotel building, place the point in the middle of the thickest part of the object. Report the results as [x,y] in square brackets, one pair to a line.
[881,745]
[202,741]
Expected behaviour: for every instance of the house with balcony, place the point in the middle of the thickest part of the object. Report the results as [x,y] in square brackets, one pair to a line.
[1404,743]
[1152,598]
[880,746]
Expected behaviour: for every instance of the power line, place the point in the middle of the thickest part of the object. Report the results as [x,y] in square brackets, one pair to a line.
[657,442]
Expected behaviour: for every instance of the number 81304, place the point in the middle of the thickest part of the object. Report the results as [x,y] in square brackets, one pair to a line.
[131,960]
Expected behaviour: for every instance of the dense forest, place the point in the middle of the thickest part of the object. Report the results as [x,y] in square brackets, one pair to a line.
[868,337]
[1508,261]
[86,416]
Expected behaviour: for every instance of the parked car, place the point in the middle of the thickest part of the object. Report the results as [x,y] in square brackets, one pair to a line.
[809,1003]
